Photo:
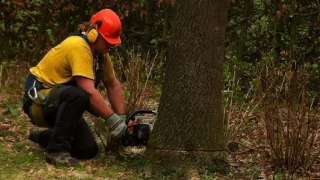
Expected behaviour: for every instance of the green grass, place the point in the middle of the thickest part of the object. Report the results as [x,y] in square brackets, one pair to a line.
[15,163]
[23,159]
[18,161]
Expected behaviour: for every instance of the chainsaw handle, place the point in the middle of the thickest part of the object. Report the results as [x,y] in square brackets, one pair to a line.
[132,116]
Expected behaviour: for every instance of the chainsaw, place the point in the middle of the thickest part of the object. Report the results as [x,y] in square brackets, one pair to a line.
[141,130]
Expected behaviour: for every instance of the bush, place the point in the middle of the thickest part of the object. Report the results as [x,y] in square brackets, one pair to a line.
[138,72]
[29,28]
[290,116]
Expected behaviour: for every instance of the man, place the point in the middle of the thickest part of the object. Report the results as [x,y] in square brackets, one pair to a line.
[63,85]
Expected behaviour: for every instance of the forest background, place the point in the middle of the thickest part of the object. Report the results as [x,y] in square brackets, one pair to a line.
[271,73]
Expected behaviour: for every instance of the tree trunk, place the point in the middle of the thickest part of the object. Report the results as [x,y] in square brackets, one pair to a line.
[191,106]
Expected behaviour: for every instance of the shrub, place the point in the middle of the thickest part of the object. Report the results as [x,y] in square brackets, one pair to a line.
[290,116]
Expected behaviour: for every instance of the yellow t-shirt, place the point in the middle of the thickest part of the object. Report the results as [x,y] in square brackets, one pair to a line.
[72,57]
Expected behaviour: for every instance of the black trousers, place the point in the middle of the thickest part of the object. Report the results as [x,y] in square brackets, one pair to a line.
[67,131]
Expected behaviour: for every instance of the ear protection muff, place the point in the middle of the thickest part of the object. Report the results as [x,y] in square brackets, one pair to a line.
[92,33]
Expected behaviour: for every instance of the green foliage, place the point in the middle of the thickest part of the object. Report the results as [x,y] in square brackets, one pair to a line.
[11,108]
[29,28]
[285,32]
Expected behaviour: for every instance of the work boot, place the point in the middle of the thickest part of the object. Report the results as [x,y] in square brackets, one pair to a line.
[39,137]
[61,159]
[34,136]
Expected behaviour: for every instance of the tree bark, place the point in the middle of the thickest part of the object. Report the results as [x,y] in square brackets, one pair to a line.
[191,106]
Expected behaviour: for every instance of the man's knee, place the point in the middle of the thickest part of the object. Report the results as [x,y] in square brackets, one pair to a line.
[73,93]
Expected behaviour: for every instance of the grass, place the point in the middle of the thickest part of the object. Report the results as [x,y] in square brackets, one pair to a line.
[26,160]
[22,159]
[16,161]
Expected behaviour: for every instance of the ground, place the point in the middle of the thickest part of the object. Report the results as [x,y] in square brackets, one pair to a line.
[248,154]
[23,159]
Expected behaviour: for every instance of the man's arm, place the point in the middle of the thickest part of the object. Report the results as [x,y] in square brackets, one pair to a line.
[97,102]
[115,95]
[114,87]
[113,121]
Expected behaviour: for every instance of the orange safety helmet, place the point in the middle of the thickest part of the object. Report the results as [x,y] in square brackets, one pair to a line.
[108,25]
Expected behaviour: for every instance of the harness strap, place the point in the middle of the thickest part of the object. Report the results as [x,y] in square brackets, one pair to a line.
[98,59]
[38,100]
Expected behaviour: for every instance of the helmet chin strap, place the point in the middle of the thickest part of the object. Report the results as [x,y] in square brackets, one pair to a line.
[98,24]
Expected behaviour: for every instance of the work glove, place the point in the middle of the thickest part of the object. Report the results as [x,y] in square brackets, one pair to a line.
[117,125]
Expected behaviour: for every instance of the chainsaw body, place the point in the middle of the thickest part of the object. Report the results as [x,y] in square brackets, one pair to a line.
[140,133]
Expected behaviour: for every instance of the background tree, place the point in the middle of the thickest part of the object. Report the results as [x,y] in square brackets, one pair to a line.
[191,106]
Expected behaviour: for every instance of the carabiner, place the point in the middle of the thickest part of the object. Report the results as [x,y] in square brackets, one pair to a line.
[32,92]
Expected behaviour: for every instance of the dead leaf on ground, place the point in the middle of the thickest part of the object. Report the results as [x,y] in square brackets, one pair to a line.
[4,127]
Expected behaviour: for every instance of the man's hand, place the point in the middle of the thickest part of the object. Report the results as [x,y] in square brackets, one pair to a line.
[117,125]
